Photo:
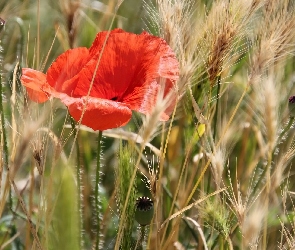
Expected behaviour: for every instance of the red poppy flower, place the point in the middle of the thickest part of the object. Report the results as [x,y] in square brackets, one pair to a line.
[125,69]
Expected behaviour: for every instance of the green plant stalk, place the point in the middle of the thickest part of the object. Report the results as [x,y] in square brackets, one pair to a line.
[3,125]
[78,177]
[96,197]
[123,175]
[5,147]
[286,129]
[141,237]
[80,208]
[259,180]
[132,179]
[221,242]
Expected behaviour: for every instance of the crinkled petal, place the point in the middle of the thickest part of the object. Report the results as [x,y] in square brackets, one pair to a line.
[34,82]
[128,69]
[100,114]
[63,74]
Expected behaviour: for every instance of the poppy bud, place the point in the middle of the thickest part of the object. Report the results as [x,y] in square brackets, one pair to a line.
[291,106]
[144,210]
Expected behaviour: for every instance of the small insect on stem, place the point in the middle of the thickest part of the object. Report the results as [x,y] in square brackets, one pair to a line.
[37,154]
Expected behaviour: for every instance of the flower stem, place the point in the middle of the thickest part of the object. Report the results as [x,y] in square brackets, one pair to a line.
[96,197]
[5,147]
[80,208]
[141,237]
[79,191]
[3,125]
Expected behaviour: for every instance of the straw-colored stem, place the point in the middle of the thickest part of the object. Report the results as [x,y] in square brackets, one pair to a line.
[269,160]
[179,183]
[220,140]
[217,106]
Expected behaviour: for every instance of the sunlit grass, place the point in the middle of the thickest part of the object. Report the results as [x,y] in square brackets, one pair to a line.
[219,172]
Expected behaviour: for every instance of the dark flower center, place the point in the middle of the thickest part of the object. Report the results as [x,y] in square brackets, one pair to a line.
[114,98]
[144,203]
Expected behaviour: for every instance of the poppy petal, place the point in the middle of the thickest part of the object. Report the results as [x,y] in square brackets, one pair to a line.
[128,69]
[100,114]
[128,72]
[62,75]
[34,81]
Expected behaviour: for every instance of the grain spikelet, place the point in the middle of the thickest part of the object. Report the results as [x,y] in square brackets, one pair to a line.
[275,37]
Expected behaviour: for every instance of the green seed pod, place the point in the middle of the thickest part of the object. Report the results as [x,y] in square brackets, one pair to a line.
[144,210]
[291,106]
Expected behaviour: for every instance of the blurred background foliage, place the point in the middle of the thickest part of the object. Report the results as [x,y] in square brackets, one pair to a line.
[67,24]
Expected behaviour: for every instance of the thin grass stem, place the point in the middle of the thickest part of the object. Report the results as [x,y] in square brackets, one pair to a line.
[180,181]
[217,107]
[219,142]
[264,239]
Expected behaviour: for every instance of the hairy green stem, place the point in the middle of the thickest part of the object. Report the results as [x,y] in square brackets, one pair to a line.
[78,177]
[140,238]
[80,209]
[5,147]
[96,197]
